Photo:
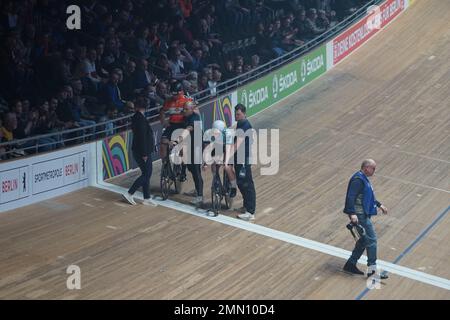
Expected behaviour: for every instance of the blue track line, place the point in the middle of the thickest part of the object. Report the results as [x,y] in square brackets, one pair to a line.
[411,246]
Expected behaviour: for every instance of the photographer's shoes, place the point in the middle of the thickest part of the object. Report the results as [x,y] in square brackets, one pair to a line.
[382,275]
[351,268]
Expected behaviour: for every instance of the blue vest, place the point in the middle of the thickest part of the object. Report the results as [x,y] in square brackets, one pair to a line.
[368,202]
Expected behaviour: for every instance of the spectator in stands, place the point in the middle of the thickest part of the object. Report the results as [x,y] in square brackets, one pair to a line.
[79,103]
[216,77]
[127,86]
[255,61]
[178,56]
[238,70]
[203,82]
[87,69]
[113,57]
[9,126]
[45,125]
[276,36]
[142,76]
[322,20]
[48,122]
[333,18]
[197,60]
[143,45]
[181,32]
[67,65]
[301,25]
[164,32]
[239,61]
[208,39]
[24,120]
[162,68]
[228,71]
[263,45]
[64,110]
[162,92]
[111,93]
[154,101]
[288,32]
[193,80]
[312,28]
[100,69]
[7,133]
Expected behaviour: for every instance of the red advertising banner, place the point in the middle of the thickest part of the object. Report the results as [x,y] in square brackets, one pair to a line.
[377,18]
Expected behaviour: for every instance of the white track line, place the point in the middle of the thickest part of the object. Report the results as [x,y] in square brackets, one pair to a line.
[289,238]
[412,183]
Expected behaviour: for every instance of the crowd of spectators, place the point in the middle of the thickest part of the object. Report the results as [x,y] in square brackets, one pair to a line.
[53,79]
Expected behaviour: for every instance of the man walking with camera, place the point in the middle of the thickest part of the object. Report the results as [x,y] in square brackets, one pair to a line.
[361,205]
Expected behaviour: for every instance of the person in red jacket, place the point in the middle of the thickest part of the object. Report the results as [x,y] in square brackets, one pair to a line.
[174,107]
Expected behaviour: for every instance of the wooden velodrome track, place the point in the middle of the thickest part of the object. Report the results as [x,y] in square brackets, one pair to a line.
[390,101]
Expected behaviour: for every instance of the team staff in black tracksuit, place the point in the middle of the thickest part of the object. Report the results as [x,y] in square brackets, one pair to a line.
[142,148]
[243,168]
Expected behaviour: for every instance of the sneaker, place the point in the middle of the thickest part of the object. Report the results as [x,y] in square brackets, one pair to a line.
[197,201]
[247,216]
[350,267]
[211,214]
[382,275]
[232,192]
[149,202]
[240,210]
[129,198]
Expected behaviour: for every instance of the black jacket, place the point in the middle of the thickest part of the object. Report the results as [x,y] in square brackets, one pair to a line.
[143,141]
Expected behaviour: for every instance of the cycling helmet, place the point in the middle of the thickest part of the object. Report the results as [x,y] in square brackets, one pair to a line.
[219,125]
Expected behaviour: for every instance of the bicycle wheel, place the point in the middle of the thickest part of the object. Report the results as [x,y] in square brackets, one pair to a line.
[227,191]
[165,182]
[216,195]
[177,175]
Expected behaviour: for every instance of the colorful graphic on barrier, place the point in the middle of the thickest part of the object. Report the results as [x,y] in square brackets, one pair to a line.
[219,109]
[270,89]
[363,30]
[115,155]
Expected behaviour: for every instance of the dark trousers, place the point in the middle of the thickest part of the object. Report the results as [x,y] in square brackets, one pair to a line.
[144,180]
[196,170]
[247,187]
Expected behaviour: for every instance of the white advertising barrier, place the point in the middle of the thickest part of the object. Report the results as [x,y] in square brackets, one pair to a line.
[376,19]
[33,179]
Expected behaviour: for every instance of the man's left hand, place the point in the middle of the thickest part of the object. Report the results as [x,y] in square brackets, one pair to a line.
[384,209]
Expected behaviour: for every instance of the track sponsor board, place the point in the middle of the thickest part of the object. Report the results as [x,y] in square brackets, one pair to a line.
[363,30]
[264,92]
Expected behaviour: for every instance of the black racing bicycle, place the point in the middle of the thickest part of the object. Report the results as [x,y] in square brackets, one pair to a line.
[220,191]
[170,176]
